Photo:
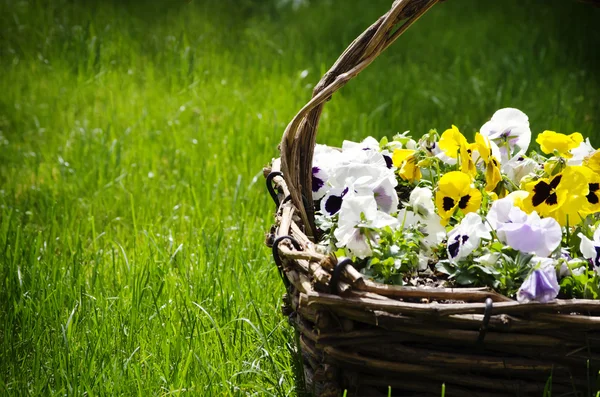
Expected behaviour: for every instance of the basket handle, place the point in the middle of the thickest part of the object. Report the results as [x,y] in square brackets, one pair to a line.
[298,141]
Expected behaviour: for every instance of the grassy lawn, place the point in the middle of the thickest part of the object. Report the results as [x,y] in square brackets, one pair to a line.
[132,137]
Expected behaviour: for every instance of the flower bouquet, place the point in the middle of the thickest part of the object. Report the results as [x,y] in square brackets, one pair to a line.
[446,212]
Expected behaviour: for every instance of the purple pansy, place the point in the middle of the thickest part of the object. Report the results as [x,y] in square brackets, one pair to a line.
[541,285]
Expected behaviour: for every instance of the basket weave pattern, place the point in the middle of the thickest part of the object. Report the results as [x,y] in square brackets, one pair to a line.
[363,336]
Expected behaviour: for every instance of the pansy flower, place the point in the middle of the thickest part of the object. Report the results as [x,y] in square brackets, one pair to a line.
[590,249]
[492,165]
[593,195]
[358,219]
[456,191]
[406,162]
[509,129]
[324,160]
[451,141]
[382,189]
[369,143]
[541,285]
[523,232]
[455,146]
[354,164]
[548,195]
[518,168]
[466,236]
[423,216]
[319,179]
[551,141]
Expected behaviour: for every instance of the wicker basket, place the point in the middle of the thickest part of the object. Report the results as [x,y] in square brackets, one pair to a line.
[364,337]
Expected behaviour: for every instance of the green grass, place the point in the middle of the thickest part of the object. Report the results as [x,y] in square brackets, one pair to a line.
[132,137]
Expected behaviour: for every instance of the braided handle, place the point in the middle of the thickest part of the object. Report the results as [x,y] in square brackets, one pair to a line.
[298,142]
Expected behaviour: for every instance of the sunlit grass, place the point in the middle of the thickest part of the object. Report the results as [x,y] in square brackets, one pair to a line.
[132,137]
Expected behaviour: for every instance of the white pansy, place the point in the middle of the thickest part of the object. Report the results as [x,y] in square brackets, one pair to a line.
[362,163]
[421,201]
[581,152]
[524,232]
[445,158]
[325,159]
[590,249]
[423,214]
[368,143]
[489,259]
[509,129]
[411,144]
[358,217]
[383,189]
[385,196]
[466,236]
[519,167]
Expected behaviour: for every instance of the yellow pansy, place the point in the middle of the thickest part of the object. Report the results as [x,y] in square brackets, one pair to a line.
[492,165]
[452,141]
[467,165]
[456,191]
[561,196]
[406,162]
[550,141]
[492,174]
[484,146]
[593,182]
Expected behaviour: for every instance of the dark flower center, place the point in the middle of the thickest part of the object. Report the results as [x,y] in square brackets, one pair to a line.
[592,198]
[448,203]
[464,201]
[333,204]
[388,161]
[455,246]
[545,192]
[317,183]
[597,260]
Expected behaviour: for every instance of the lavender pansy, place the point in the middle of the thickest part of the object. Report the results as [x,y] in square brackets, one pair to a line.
[541,285]
[527,233]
